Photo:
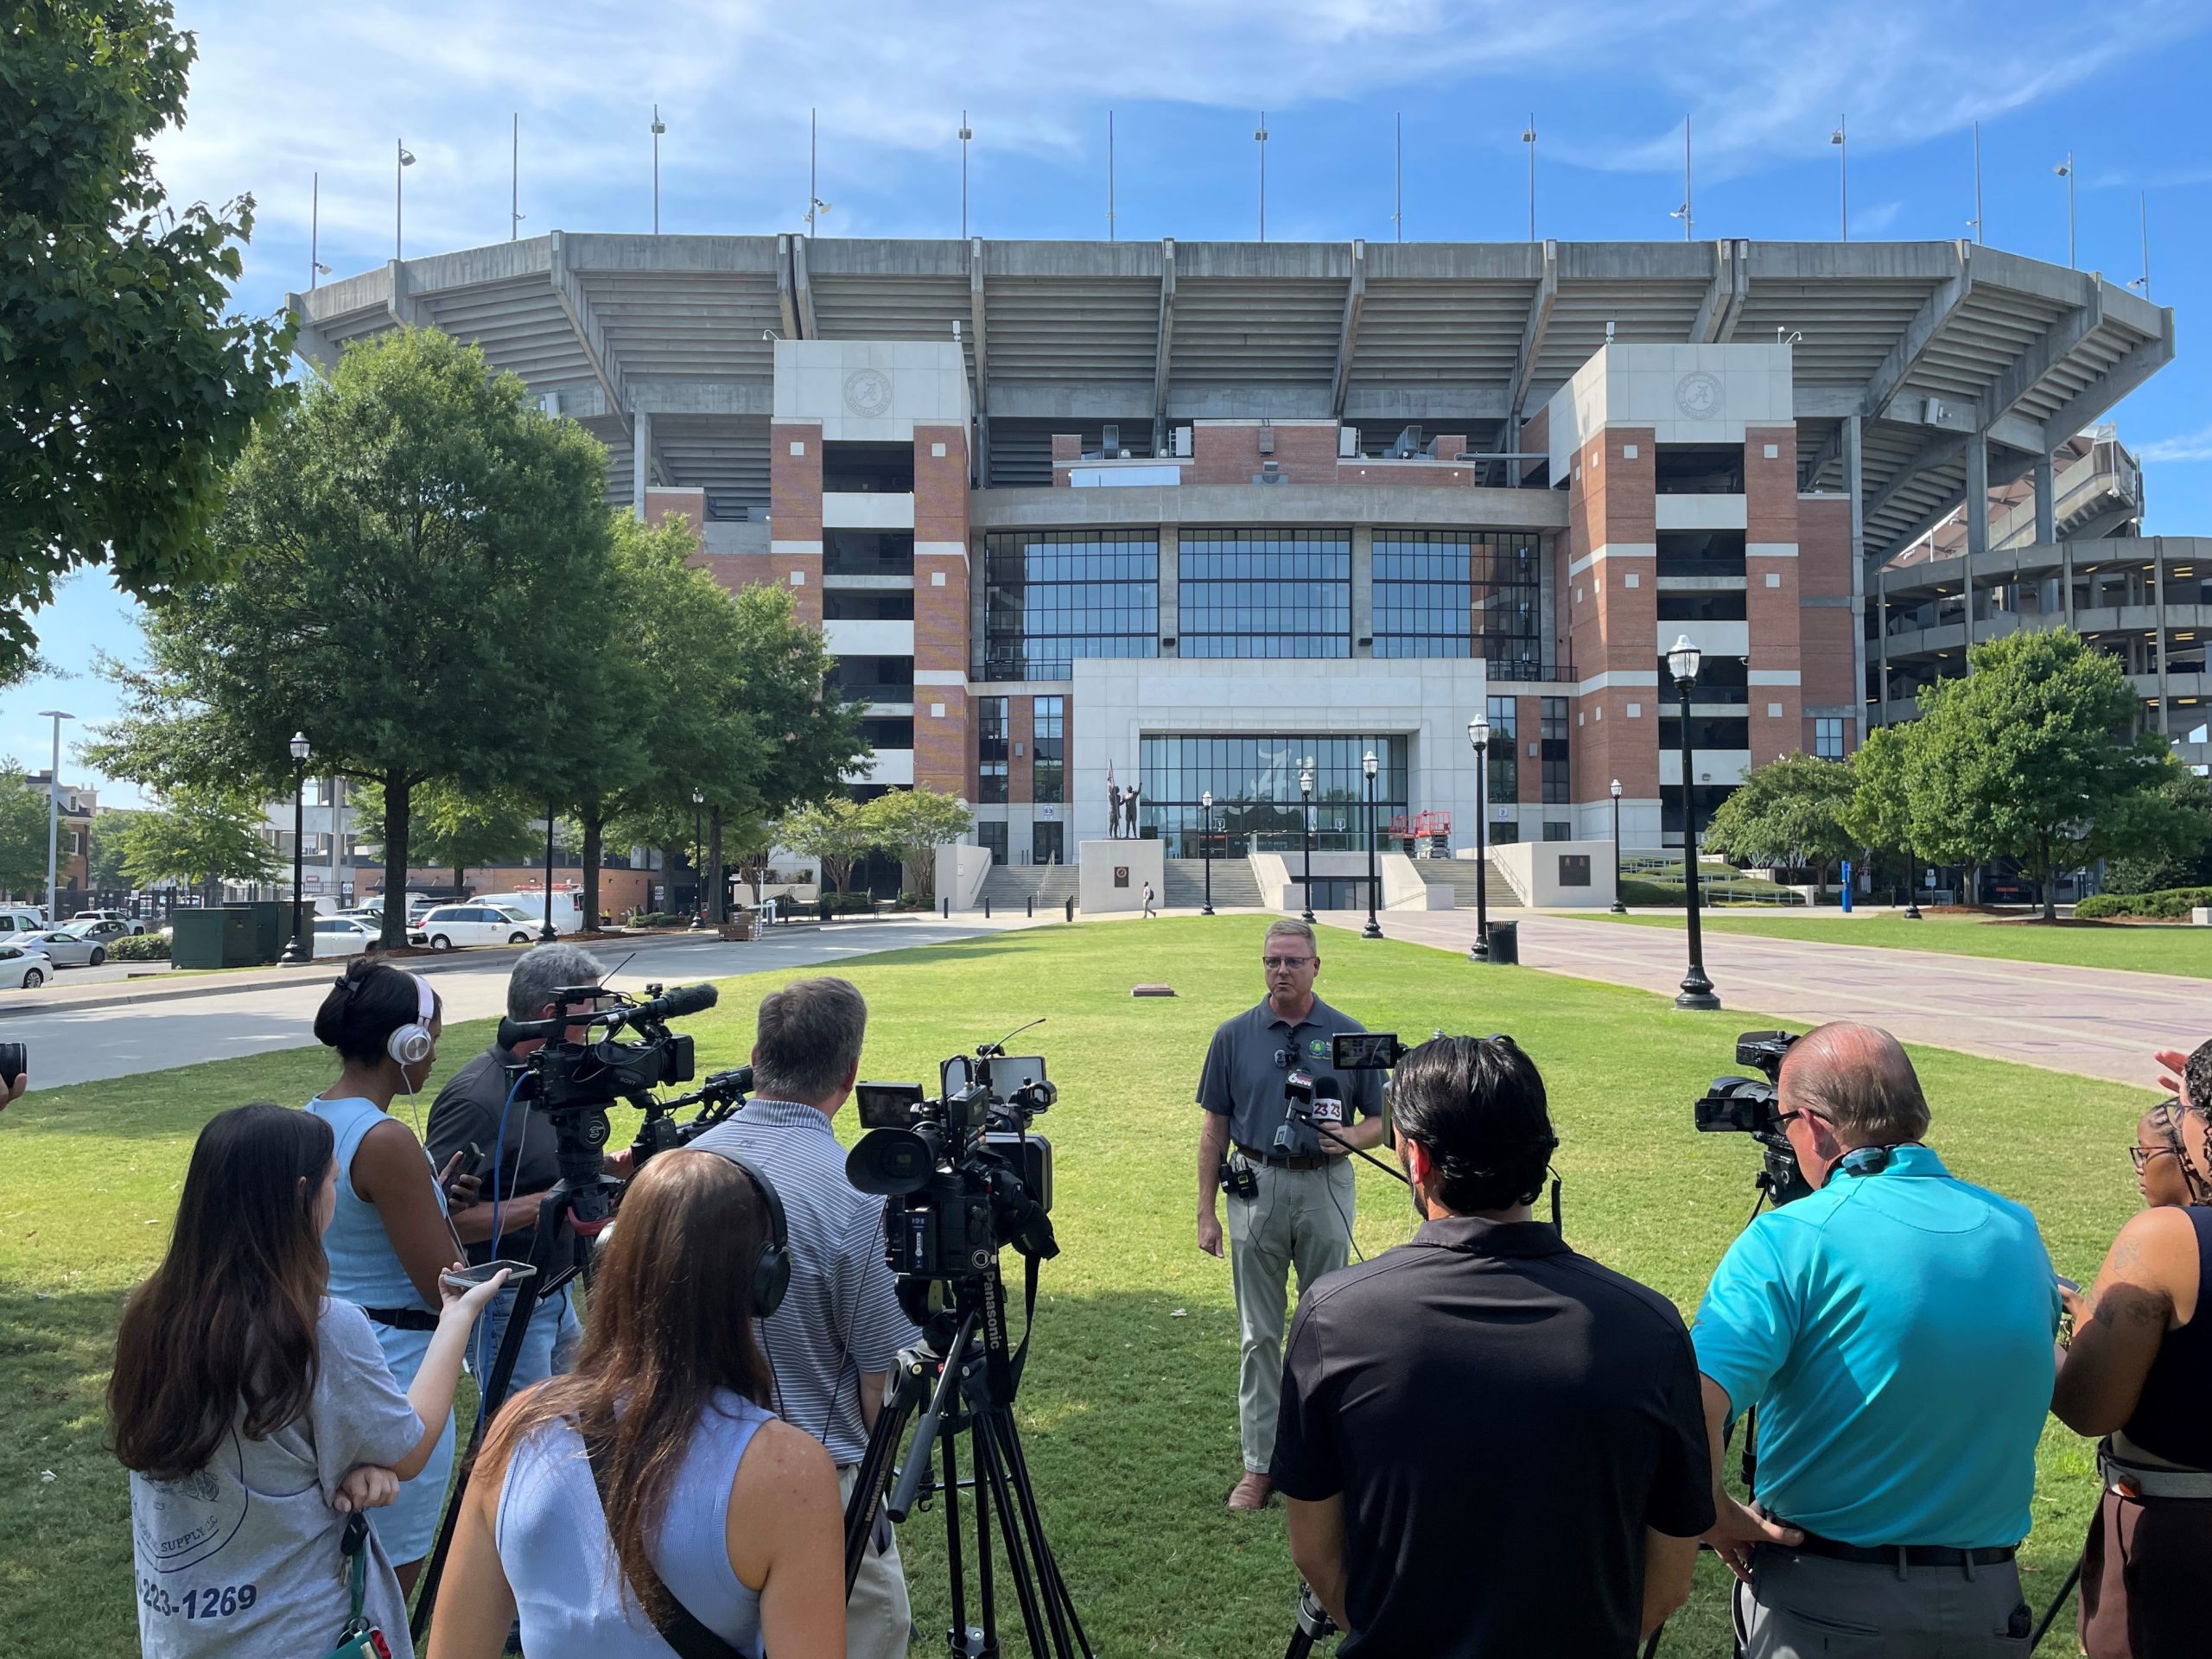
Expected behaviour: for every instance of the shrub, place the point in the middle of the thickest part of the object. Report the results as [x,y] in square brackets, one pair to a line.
[139,947]
[663,918]
[2169,904]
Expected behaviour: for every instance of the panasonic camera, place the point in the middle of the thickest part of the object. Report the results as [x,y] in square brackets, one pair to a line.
[1749,1105]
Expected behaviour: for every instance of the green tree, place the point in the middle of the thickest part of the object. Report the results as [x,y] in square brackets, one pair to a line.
[913,823]
[1880,814]
[125,391]
[109,825]
[2029,758]
[832,831]
[419,550]
[22,831]
[462,830]
[2181,864]
[1789,812]
[203,837]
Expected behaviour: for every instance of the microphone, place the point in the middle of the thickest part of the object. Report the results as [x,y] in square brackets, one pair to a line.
[1328,1102]
[674,1005]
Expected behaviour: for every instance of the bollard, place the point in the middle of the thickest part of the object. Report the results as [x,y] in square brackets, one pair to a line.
[1033,906]
[987,908]
[948,906]
[1071,910]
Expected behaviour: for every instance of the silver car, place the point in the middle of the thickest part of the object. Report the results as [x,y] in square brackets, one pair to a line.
[65,947]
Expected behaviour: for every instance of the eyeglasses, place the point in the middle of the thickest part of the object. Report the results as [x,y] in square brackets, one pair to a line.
[1273,965]
[2140,1155]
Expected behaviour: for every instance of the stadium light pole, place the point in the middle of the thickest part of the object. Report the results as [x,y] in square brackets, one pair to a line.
[1478,737]
[400,199]
[1842,142]
[1259,137]
[1685,212]
[1528,137]
[54,814]
[2065,170]
[1683,663]
[1305,829]
[1205,846]
[1979,235]
[316,268]
[659,127]
[1367,768]
[1619,909]
[299,948]
[514,180]
[967,132]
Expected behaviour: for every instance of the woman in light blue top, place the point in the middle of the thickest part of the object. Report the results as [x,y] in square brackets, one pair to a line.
[390,1239]
[707,1501]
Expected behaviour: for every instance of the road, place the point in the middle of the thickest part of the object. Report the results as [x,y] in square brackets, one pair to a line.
[70,1045]
[2093,1021]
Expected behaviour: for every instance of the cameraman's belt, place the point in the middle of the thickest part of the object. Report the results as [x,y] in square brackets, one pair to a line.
[2144,1480]
[1284,1161]
[1903,1556]
[403,1319]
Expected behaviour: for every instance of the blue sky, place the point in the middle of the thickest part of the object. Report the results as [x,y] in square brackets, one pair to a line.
[285,90]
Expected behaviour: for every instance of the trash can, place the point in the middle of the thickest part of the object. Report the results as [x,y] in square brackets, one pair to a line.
[1505,941]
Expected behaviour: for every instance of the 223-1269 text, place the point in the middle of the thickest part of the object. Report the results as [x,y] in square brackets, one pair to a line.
[216,1601]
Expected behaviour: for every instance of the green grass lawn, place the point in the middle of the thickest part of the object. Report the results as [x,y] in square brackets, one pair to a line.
[1128,1411]
[2179,949]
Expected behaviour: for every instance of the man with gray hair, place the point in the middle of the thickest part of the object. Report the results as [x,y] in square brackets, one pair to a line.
[838,1332]
[1893,1329]
[516,1158]
[1290,1186]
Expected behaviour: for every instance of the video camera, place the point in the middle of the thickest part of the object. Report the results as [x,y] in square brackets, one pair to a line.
[573,1084]
[1738,1105]
[967,1176]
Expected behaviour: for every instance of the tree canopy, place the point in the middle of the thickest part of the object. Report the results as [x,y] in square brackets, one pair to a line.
[125,391]
[462,830]
[23,811]
[913,823]
[1790,812]
[200,836]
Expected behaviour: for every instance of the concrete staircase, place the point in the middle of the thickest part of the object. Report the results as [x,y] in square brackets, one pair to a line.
[1458,875]
[1010,887]
[1184,884]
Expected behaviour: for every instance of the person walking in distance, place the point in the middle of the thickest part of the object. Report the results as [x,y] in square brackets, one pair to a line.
[1290,1201]
[1149,898]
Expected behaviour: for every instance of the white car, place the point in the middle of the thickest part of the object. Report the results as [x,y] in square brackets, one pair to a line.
[343,936]
[64,947]
[124,917]
[444,926]
[24,968]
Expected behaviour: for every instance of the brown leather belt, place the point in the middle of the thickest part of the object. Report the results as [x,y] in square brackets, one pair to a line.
[1903,1555]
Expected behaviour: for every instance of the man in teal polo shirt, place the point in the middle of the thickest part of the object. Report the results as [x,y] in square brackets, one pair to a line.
[1894,1331]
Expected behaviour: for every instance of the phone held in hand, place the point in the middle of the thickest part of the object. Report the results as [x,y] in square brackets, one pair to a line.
[15,1060]
[468,1278]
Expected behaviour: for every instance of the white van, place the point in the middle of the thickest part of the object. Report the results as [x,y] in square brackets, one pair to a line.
[16,919]
[567,907]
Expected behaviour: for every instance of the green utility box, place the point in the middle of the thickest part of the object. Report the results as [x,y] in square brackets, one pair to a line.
[225,935]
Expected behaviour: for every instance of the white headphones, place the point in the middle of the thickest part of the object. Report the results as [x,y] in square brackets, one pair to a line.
[410,1045]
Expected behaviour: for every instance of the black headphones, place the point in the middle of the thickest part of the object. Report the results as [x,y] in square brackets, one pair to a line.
[772,1273]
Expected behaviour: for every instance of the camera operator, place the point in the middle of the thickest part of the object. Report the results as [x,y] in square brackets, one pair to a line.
[1893,1329]
[834,1340]
[1487,1359]
[2138,1372]
[1300,1210]
[471,1110]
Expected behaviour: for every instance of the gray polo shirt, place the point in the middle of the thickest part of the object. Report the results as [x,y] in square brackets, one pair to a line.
[1250,1056]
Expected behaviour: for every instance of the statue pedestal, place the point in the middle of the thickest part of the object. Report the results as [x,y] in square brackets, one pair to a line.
[1114,875]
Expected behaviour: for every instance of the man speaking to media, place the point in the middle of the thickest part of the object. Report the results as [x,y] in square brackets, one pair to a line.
[1300,1208]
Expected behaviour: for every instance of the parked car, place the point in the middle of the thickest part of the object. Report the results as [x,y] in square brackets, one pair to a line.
[344,936]
[16,919]
[103,933]
[567,907]
[26,968]
[131,923]
[444,926]
[65,947]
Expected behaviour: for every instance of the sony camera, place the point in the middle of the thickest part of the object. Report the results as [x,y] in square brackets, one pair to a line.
[1740,1105]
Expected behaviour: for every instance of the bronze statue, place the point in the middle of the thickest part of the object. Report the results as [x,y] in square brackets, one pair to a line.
[1113,810]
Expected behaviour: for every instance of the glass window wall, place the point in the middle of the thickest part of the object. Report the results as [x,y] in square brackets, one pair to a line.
[1442,593]
[1052,596]
[1266,592]
[1254,780]
[1051,749]
[991,750]
[1504,783]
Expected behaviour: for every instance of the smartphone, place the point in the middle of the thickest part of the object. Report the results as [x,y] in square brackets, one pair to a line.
[464,1278]
[2064,1283]
[15,1060]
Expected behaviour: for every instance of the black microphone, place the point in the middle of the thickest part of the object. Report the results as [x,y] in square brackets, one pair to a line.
[674,1005]
[1328,1101]
[513,1031]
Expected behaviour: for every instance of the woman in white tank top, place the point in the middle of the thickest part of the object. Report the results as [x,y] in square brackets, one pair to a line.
[709,1501]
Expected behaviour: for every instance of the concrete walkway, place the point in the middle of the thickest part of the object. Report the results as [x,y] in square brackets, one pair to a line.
[2091,1020]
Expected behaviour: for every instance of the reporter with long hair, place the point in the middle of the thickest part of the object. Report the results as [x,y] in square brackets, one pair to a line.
[391,1237]
[701,1498]
[256,1412]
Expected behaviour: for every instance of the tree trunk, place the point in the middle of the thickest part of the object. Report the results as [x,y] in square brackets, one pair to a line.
[720,909]
[460,881]
[594,827]
[397,789]
[2043,880]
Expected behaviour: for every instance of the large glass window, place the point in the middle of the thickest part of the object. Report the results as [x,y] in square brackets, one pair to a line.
[1504,780]
[1266,592]
[1254,779]
[1557,789]
[991,837]
[1445,593]
[1827,738]
[991,750]
[1703,605]
[1050,749]
[1052,596]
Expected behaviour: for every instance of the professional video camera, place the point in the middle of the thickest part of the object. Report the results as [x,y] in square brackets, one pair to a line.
[1737,1105]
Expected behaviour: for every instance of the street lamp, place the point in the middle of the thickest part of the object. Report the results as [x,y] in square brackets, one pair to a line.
[1619,909]
[1912,887]
[54,815]
[301,948]
[1305,829]
[1205,846]
[699,874]
[1479,735]
[1367,768]
[1683,662]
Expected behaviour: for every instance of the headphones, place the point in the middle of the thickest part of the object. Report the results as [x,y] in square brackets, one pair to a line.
[410,1044]
[1864,1161]
[772,1273]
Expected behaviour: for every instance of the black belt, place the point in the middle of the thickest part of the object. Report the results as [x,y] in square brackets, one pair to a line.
[1904,1555]
[403,1319]
[1285,1160]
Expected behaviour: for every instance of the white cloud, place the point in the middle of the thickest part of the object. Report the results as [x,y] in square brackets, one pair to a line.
[1871,221]
[2190,446]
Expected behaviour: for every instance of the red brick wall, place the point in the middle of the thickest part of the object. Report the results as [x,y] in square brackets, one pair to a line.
[687,505]
[1826,646]
[1066,446]
[1772,590]
[1613,628]
[944,748]
[1021,744]
[795,510]
[1529,712]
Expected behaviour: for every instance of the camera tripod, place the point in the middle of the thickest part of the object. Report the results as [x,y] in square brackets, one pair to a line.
[958,1380]
[1313,1623]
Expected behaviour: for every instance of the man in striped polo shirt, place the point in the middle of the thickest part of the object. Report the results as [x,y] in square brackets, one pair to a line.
[840,1328]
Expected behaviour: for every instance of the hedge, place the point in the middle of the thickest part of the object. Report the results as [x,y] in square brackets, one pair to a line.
[139,947]
[2172,904]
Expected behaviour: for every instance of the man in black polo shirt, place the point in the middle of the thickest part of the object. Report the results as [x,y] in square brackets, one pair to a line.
[1299,1213]
[1491,1445]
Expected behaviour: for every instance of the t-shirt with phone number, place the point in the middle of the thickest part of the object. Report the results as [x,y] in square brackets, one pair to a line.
[242,1557]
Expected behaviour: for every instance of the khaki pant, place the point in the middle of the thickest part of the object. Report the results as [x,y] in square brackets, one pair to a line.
[1300,1218]
[878,1620]
[1812,1607]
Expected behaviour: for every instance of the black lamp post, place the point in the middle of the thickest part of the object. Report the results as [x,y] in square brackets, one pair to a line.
[1619,909]
[1305,827]
[545,933]
[1205,846]
[1912,887]
[699,874]
[299,947]
[1367,768]
[1683,662]
[1479,735]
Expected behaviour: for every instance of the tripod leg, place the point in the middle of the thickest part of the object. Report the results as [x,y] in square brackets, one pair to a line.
[989,1465]
[875,1468]
[1048,1566]
[983,1640]
[956,1634]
